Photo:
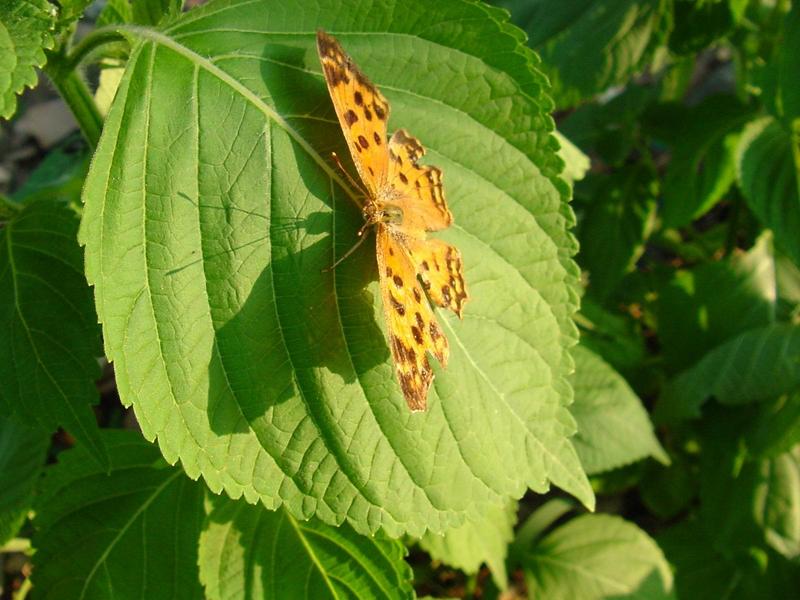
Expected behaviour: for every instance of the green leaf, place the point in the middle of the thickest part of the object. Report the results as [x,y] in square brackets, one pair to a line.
[22,454]
[576,163]
[702,167]
[612,336]
[616,222]
[667,491]
[132,532]
[59,176]
[597,556]
[480,540]
[777,503]
[115,12]
[249,552]
[789,67]
[26,31]
[151,12]
[590,45]
[212,212]
[610,127]
[703,572]
[700,23]
[49,346]
[755,366]
[768,176]
[776,428]
[613,427]
[701,308]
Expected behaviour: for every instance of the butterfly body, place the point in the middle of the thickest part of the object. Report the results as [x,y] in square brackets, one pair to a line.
[403,201]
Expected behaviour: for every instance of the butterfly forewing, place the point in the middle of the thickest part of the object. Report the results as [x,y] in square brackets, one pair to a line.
[361,108]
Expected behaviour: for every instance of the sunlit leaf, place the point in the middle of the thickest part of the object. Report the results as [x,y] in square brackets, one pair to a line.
[212,211]
[248,551]
[26,31]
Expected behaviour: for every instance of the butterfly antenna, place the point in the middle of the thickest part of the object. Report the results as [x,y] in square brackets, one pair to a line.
[352,181]
[360,241]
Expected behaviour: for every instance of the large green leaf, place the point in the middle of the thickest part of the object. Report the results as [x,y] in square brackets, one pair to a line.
[699,309]
[211,212]
[613,427]
[590,45]
[769,178]
[776,428]
[130,533]
[597,556]
[26,30]
[758,365]
[250,552]
[479,540]
[22,454]
[49,345]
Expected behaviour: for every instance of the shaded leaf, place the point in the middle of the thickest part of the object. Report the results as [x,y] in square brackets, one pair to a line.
[702,572]
[755,366]
[247,551]
[22,455]
[615,223]
[668,490]
[789,67]
[49,345]
[613,427]
[26,31]
[597,556]
[698,23]
[699,309]
[702,167]
[478,541]
[768,177]
[211,212]
[590,45]
[134,530]
[776,428]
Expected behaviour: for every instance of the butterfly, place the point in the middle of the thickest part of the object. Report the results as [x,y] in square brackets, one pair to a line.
[403,200]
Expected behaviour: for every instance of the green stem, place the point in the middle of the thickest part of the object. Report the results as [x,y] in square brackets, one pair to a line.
[63,71]
[99,37]
[76,94]
[23,590]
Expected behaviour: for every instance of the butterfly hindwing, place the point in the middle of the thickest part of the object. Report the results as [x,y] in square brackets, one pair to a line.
[412,327]
[440,268]
[424,206]
[361,108]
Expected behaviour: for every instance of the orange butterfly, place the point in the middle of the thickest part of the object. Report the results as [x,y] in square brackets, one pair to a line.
[403,200]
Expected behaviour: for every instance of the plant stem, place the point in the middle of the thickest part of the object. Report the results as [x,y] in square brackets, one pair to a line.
[23,590]
[76,94]
[63,70]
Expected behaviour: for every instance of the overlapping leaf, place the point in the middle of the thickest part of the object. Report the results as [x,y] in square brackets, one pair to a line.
[478,541]
[590,45]
[597,556]
[770,181]
[249,552]
[211,212]
[613,426]
[26,30]
[49,346]
[22,454]
[131,533]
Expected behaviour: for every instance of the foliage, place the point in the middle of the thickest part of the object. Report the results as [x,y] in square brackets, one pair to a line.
[276,456]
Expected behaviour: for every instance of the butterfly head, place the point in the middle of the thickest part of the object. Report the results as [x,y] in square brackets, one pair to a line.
[375,213]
